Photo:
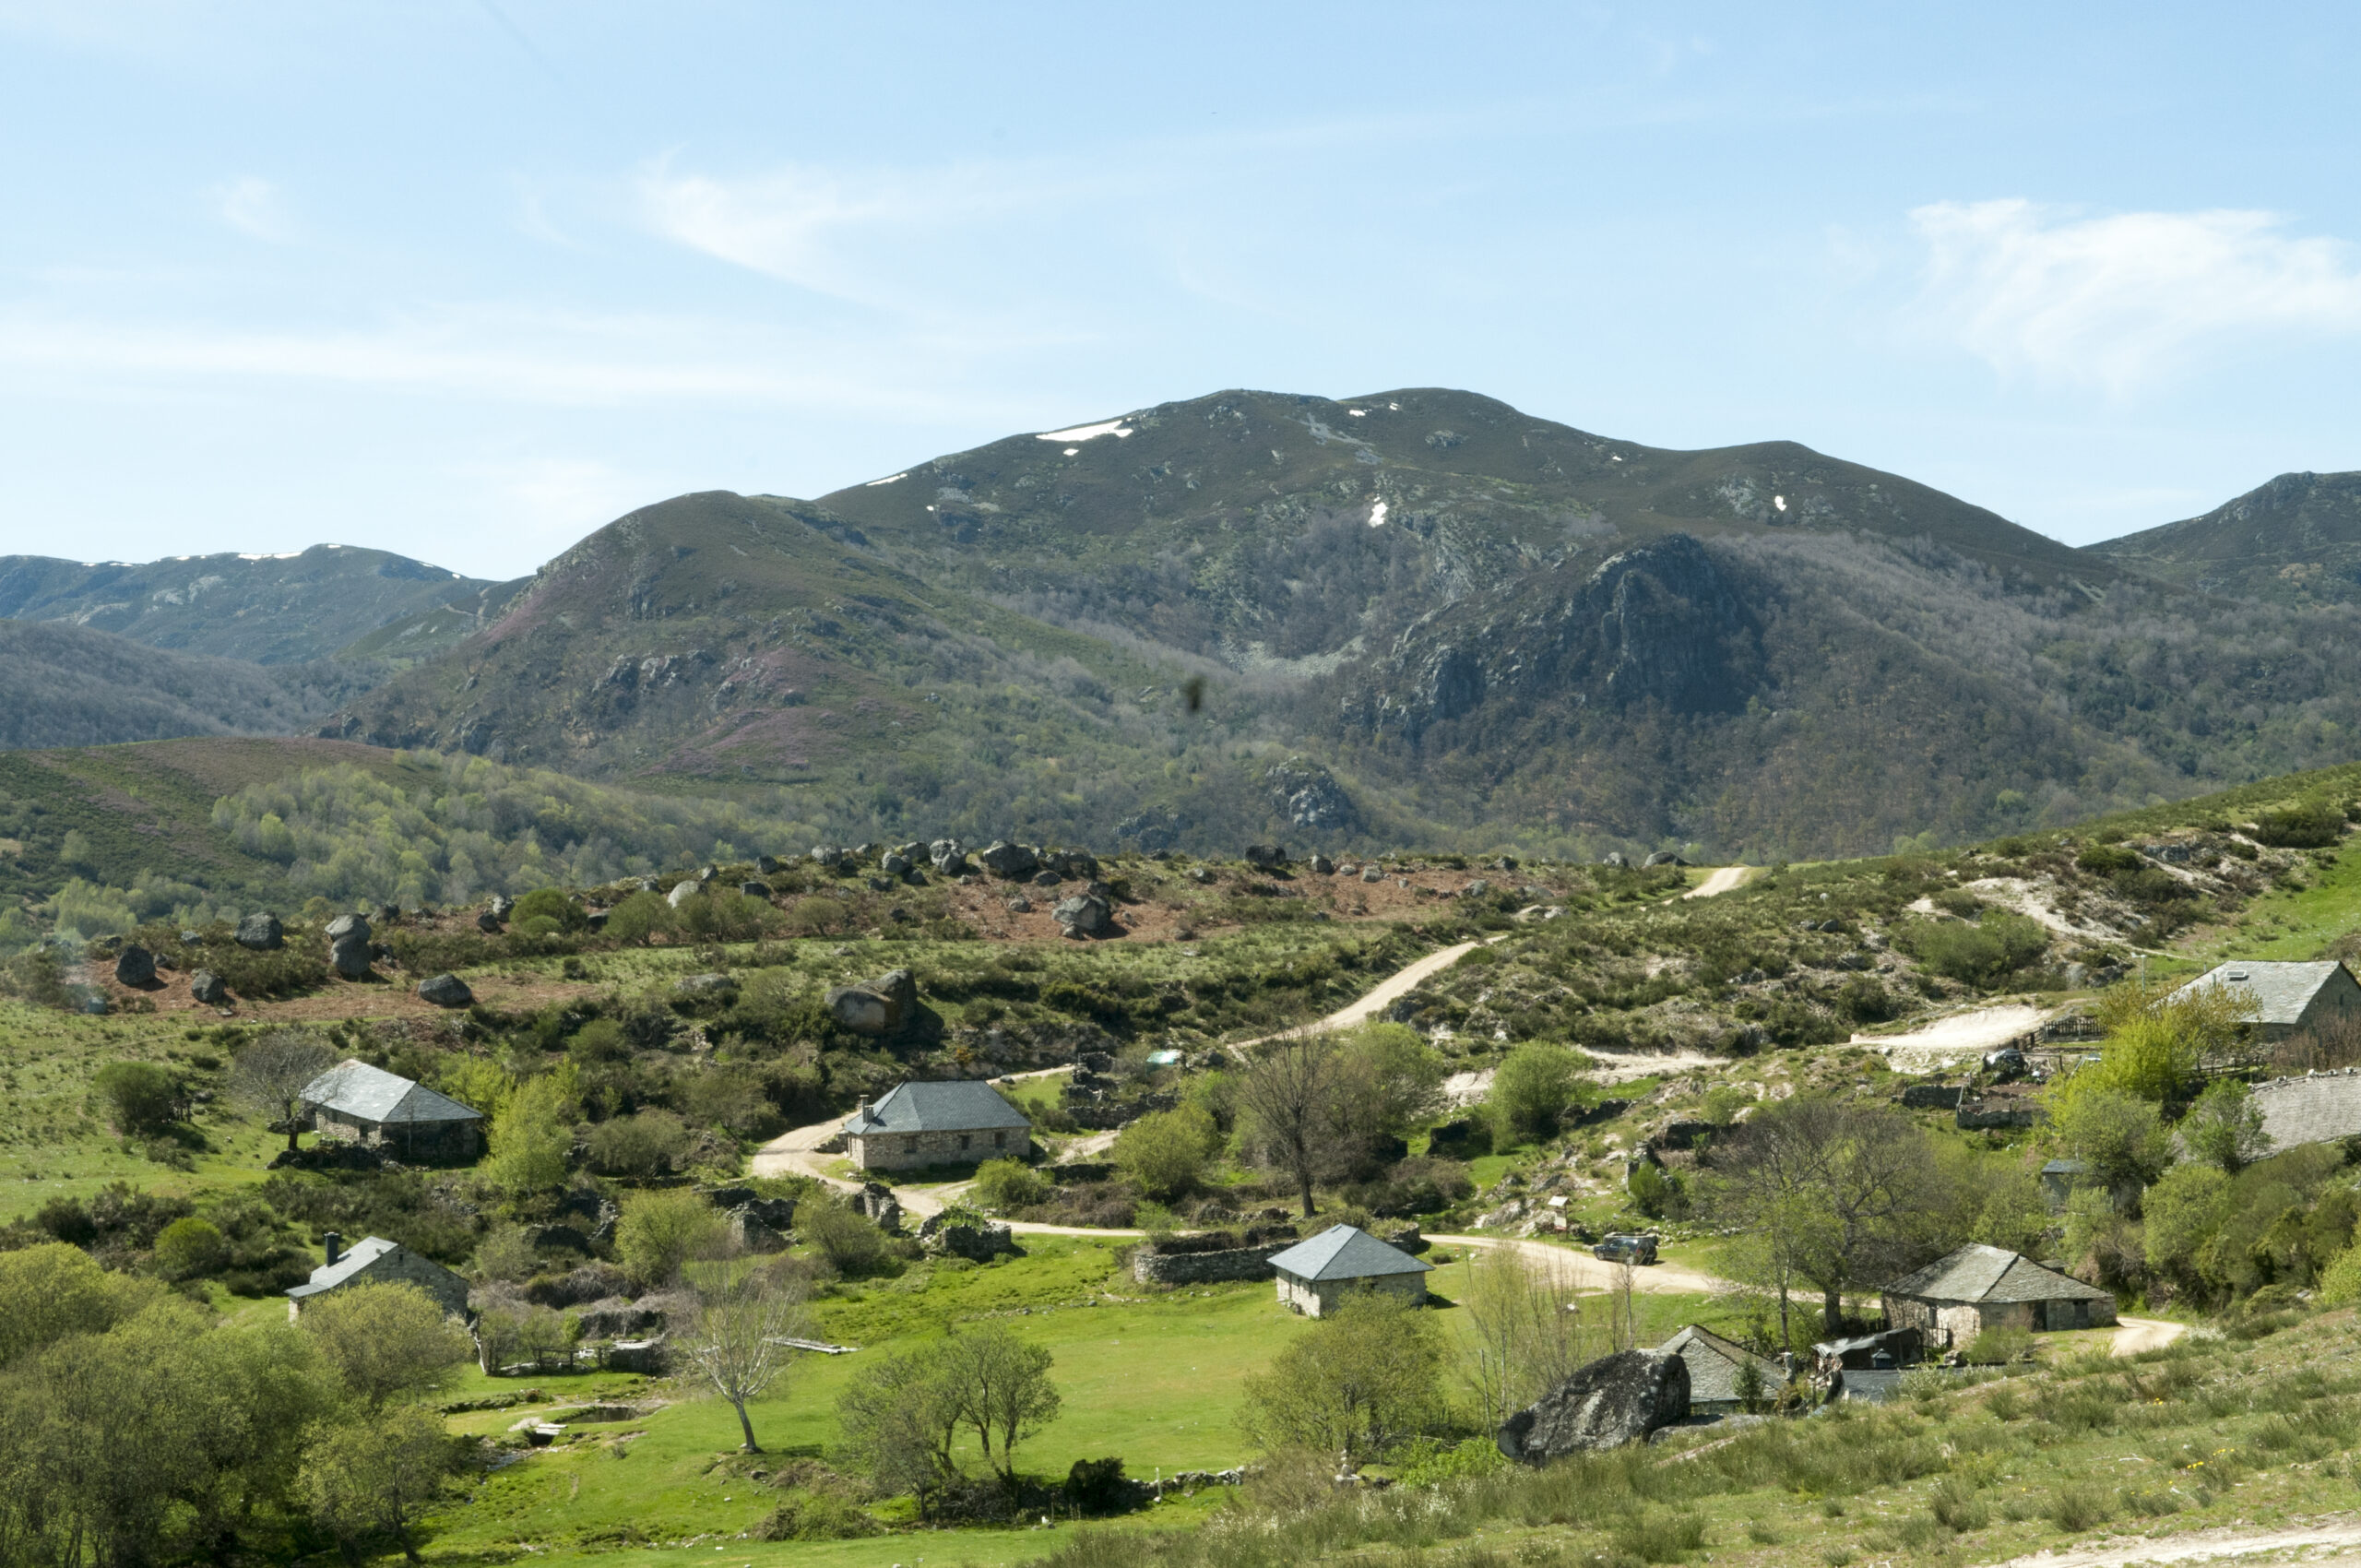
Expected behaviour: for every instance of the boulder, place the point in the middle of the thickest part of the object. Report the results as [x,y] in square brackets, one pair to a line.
[1614,1400]
[488,922]
[1009,862]
[1614,858]
[826,857]
[863,1011]
[1321,865]
[206,987]
[446,991]
[1018,904]
[894,864]
[638,1356]
[1270,857]
[1373,873]
[1476,889]
[262,933]
[948,856]
[348,946]
[1046,879]
[980,1243]
[1085,914]
[899,987]
[135,966]
[747,1232]
[683,891]
[502,905]
[756,890]
[1665,857]
[1077,865]
[767,865]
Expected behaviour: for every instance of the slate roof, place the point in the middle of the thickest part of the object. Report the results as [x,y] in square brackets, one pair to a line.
[370,1093]
[1712,1363]
[1345,1251]
[964,1106]
[1994,1275]
[328,1276]
[2282,992]
[2318,1110]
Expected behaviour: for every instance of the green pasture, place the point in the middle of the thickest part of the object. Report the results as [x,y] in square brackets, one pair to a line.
[2290,921]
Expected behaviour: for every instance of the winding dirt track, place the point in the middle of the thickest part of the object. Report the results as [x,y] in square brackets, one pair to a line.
[1579,1271]
[1721,880]
[2133,1335]
[2340,1534]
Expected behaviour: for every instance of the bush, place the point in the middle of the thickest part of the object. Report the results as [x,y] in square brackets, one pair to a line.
[2107,860]
[191,1248]
[2079,1507]
[1980,955]
[2313,825]
[1997,1346]
[637,918]
[140,1095]
[851,1242]
[1006,1185]
[648,1144]
[1096,1486]
[816,1515]
[1658,1193]
[548,904]
[1660,1537]
[1164,1151]
[660,1232]
[1531,1085]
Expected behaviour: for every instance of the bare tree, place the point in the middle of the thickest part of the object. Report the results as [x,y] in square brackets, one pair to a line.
[1002,1390]
[268,1077]
[1285,1093]
[1525,1330]
[736,1343]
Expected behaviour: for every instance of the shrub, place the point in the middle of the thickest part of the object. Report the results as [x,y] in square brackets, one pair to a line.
[1980,955]
[2312,824]
[637,918]
[661,1231]
[1531,1085]
[2078,1507]
[648,1144]
[1006,1185]
[549,904]
[1164,1151]
[191,1248]
[852,1243]
[1658,1193]
[1096,1486]
[141,1097]
[2107,860]
[816,1515]
[1997,1346]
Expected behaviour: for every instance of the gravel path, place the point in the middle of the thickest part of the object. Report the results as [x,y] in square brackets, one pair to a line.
[1721,880]
[1962,1034]
[2339,1535]
[2133,1335]
[1579,1271]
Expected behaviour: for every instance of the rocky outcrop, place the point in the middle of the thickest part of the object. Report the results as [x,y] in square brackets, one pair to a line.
[1614,1400]
[979,1243]
[135,966]
[262,933]
[881,1007]
[1085,915]
[1309,797]
[1009,862]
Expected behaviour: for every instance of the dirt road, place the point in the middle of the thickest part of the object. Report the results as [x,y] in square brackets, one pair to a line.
[2133,1335]
[1962,1034]
[2338,1533]
[1579,1271]
[1721,880]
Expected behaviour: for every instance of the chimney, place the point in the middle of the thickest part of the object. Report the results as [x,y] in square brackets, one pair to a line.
[863,1106]
[335,1244]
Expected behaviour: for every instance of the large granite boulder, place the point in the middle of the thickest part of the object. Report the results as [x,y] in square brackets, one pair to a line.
[446,991]
[948,856]
[1269,857]
[683,890]
[348,946]
[262,933]
[1009,862]
[1614,1400]
[135,966]
[1085,914]
[880,1007]
[208,986]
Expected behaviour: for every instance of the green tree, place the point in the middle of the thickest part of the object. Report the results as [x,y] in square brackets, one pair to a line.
[1001,1387]
[639,917]
[2225,1127]
[2160,1038]
[1360,1380]
[1530,1087]
[140,1095]
[1284,1097]
[899,1420]
[1164,1151]
[387,1342]
[1521,1340]
[54,1291]
[2120,1135]
[2183,1212]
[662,1230]
[376,1476]
[532,1134]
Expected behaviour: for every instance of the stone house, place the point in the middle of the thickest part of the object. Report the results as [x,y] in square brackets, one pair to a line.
[1713,1364]
[2290,998]
[375,1261]
[947,1123]
[1316,1275]
[360,1104]
[1954,1299]
[2319,1108]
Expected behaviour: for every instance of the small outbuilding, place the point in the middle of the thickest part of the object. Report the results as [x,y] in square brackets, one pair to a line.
[1715,1371]
[1954,1299]
[360,1104]
[376,1261]
[1316,1275]
[948,1123]
[2289,999]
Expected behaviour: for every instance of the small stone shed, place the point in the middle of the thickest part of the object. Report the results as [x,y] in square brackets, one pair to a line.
[375,1261]
[2290,998]
[1316,1275]
[1713,1364]
[1954,1299]
[365,1105]
[949,1124]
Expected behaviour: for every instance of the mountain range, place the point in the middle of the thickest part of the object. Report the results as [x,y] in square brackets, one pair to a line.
[1417,617]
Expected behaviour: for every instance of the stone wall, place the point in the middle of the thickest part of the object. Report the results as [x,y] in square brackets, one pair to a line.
[1318,1299]
[908,1151]
[454,1142]
[1199,1268]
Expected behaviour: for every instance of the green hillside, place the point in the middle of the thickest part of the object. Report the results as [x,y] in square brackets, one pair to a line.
[2295,541]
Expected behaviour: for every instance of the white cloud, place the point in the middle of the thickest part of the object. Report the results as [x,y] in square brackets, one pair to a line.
[251,205]
[2123,301]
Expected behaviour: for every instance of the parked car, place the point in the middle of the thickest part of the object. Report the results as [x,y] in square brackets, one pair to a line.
[1626,1247]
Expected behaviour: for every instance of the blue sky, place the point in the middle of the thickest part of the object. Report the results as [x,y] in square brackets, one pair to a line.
[467,279]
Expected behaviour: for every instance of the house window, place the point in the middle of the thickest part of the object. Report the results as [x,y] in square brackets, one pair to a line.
[962,1140]
[910,1143]
[1000,1140]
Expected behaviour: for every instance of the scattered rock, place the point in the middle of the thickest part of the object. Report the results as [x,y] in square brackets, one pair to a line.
[1321,865]
[1018,904]
[262,933]
[488,922]
[756,890]
[1268,857]
[768,865]
[1476,889]
[137,966]
[503,906]
[683,890]
[1373,873]
[1614,858]
[894,864]
[446,991]
[206,987]
[1046,879]
[1614,1400]
[348,946]
[880,1007]
[1074,865]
